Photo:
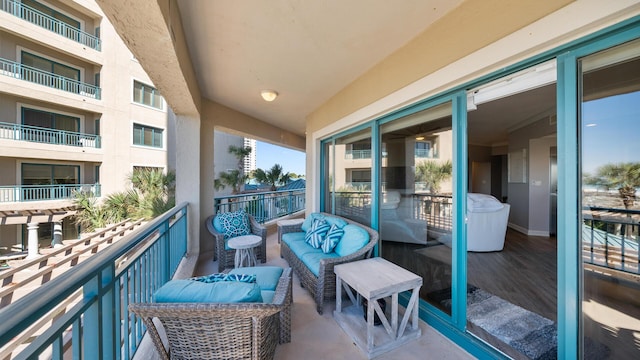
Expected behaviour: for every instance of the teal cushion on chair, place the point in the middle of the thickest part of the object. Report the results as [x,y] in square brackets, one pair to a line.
[334,220]
[232,224]
[267,277]
[354,239]
[189,291]
[293,237]
[306,224]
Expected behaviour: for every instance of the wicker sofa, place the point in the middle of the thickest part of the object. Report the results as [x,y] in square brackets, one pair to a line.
[221,330]
[224,254]
[322,285]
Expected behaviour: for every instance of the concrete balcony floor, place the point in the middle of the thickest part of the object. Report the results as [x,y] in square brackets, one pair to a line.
[315,336]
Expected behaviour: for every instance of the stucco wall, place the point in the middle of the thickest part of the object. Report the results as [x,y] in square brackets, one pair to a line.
[473,40]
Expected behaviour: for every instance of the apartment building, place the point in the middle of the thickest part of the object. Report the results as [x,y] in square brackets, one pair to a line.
[77,113]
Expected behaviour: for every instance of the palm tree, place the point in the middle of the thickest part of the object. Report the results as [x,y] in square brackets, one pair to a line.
[274,176]
[234,178]
[433,174]
[623,176]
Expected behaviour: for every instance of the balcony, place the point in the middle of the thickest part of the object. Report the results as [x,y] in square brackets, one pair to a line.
[24,12]
[84,314]
[51,80]
[19,132]
[24,193]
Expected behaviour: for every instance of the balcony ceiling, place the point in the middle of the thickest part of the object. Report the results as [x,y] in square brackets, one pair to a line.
[305,50]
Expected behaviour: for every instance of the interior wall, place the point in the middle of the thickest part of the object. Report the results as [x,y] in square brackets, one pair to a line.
[518,193]
[540,185]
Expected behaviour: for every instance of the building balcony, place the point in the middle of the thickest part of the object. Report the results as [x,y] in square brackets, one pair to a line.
[27,73]
[24,12]
[25,193]
[36,134]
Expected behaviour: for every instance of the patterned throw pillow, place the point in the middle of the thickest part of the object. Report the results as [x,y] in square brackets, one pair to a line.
[234,224]
[317,232]
[333,238]
[225,277]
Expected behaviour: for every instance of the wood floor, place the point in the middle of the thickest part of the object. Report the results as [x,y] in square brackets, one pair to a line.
[524,273]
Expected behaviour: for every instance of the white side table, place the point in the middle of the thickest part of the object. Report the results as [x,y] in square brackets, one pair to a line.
[375,279]
[244,249]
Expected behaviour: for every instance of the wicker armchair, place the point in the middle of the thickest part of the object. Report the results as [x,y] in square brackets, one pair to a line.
[221,331]
[322,287]
[226,258]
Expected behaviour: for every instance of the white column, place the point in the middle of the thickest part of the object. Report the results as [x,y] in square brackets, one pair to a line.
[187,168]
[32,230]
[56,240]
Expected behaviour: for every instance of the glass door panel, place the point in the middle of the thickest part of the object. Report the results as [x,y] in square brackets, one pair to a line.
[352,176]
[610,161]
[415,208]
[511,242]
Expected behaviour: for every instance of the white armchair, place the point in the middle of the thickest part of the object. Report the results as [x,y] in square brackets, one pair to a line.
[487,220]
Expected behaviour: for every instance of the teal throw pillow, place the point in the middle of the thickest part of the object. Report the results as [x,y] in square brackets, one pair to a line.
[233,224]
[317,232]
[225,277]
[332,239]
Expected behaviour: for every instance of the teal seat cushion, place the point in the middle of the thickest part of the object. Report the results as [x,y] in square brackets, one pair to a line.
[300,248]
[267,296]
[267,277]
[353,239]
[189,291]
[292,237]
[312,260]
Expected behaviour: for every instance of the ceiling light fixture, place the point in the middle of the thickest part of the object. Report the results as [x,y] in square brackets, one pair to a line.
[420,138]
[269,95]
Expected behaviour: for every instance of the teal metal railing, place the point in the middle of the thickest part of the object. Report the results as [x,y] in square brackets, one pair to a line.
[37,76]
[264,206]
[22,193]
[48,136]
[27,13]
[611,238]
[98,325]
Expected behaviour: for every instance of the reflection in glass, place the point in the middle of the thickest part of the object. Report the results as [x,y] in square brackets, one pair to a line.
[611,212]
[352,176]
[416,199]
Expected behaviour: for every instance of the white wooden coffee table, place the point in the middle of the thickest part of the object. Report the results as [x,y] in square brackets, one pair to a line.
[244,245]
[374,279]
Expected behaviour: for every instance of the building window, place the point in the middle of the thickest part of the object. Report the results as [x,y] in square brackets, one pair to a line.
[423,149]
[147,136]
[47,65]
[147,95]
[50,120]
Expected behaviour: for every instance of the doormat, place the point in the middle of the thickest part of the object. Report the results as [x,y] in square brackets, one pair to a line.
[526,332]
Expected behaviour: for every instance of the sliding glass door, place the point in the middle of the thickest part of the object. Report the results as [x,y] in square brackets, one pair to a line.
[610,160]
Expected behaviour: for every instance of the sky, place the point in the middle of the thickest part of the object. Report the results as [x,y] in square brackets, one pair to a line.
[268,155]
[608,133]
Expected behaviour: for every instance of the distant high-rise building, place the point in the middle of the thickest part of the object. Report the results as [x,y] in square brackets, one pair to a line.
[250,161]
